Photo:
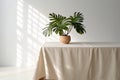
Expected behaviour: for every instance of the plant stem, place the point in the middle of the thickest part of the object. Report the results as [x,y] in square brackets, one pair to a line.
[69,30]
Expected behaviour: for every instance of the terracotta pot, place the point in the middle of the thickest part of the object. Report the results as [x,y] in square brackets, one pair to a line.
[65,39]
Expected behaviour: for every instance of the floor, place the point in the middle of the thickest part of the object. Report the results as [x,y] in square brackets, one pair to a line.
[14,73]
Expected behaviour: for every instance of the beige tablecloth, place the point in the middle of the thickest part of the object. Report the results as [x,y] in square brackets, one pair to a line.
[79,61]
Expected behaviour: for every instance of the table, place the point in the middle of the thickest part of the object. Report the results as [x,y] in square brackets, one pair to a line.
[79,61]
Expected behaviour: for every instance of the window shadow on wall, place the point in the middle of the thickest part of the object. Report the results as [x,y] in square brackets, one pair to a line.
[30,38]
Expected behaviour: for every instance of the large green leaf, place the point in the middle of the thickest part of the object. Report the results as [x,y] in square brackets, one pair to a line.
[61,25]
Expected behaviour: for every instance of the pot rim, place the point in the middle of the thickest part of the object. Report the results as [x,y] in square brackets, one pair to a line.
[65,35]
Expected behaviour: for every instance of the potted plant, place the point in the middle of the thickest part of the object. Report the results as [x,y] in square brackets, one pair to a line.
[63,25]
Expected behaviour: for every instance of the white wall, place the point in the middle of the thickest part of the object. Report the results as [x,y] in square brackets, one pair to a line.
[7,33]
[101,20]
[101,16]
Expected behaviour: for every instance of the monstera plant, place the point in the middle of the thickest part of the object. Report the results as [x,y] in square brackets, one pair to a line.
[63,25]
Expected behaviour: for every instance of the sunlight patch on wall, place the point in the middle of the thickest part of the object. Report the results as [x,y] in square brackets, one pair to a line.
[30,23]
[19,32]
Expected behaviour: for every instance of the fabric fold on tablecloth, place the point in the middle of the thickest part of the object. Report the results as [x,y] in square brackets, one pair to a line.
[79,63]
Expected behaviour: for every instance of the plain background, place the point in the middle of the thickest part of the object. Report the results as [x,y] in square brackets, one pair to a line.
[101,19]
